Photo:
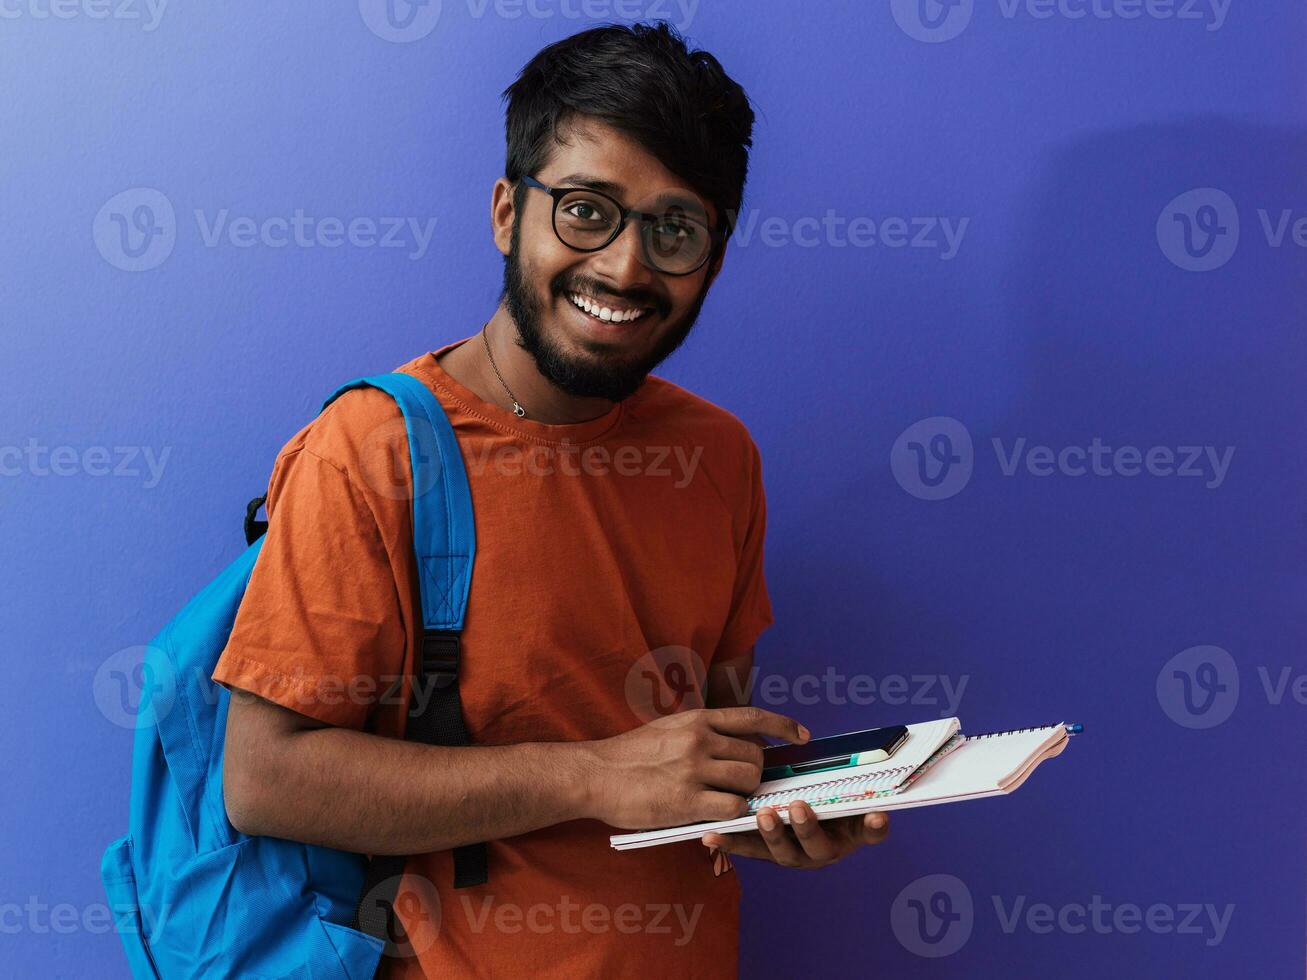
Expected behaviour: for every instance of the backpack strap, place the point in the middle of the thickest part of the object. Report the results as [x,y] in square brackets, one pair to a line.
[444,545]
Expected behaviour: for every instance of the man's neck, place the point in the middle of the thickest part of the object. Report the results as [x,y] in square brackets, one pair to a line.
[469,365]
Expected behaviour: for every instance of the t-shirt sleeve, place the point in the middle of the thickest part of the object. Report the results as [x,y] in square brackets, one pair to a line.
[320,629]
[751,611]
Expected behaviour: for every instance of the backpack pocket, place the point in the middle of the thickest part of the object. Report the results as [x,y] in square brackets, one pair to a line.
[119,879]
[254,910]
[332,952]
[358,952]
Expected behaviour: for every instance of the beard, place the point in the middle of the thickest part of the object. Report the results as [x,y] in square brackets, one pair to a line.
[601,373]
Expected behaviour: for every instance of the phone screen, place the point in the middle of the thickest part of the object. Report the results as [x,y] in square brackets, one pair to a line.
[831,752]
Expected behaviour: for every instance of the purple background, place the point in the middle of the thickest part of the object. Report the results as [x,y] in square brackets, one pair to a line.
[1061,318]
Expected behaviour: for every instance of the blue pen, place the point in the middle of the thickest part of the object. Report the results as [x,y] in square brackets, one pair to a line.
[1074,729]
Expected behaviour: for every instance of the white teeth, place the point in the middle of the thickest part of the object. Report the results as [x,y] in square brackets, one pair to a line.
[605,313]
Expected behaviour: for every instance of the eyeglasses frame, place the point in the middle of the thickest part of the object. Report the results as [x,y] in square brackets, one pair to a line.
[715,234]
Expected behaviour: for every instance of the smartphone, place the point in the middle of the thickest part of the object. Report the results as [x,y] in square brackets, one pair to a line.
[835,752]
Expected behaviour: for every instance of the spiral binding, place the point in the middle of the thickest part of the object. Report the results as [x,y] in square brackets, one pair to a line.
[1012,731]
[830,788]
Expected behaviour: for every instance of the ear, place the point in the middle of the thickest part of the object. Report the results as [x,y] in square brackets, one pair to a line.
[715,265]
[502,214]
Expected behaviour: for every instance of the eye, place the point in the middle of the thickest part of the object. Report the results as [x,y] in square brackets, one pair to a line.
[676,227]
[583,209]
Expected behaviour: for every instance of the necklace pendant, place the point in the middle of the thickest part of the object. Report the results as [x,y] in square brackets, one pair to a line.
[519,411]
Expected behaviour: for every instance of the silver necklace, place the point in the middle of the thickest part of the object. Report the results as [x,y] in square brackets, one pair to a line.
[518,410]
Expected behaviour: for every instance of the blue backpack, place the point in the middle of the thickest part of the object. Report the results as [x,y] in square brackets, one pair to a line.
[193,897]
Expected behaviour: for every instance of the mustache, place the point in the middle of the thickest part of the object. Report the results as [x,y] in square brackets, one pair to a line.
[632,297]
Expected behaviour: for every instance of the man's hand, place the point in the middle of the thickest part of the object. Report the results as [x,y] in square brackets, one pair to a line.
[685,768]
[806,842]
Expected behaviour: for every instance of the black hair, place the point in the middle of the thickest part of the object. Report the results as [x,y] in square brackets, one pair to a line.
[643,81]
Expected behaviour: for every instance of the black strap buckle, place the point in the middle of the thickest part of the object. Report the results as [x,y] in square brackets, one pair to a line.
[440,655]
[254,529]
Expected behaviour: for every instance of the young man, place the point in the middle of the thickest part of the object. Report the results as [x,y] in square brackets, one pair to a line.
[619,523]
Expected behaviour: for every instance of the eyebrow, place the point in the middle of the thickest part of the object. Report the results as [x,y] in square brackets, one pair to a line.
[593,183]
[614,189]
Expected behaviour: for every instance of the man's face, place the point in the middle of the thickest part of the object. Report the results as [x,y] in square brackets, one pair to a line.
[580,352]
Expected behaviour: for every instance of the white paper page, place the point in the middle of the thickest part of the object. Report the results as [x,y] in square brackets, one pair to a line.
[984,765]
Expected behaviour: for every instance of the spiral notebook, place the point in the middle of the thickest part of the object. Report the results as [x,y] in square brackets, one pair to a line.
[941,766]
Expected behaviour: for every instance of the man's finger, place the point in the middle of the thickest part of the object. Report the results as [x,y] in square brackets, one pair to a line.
[733,777]
[714,805]
[780,842]
[745,845]
[735,749]
[771,842]
[756,721]
[815,841]
[875,827]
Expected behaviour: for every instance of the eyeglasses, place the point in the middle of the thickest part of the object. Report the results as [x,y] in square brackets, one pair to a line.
[675,242]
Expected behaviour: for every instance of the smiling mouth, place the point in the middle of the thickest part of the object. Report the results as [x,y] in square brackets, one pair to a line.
[607,314]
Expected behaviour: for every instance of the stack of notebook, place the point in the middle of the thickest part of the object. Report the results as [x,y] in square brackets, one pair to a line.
[937,764]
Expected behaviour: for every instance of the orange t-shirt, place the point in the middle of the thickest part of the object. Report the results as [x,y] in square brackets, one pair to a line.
[605,549]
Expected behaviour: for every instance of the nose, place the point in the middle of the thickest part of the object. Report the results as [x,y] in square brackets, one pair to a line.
[622,263]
